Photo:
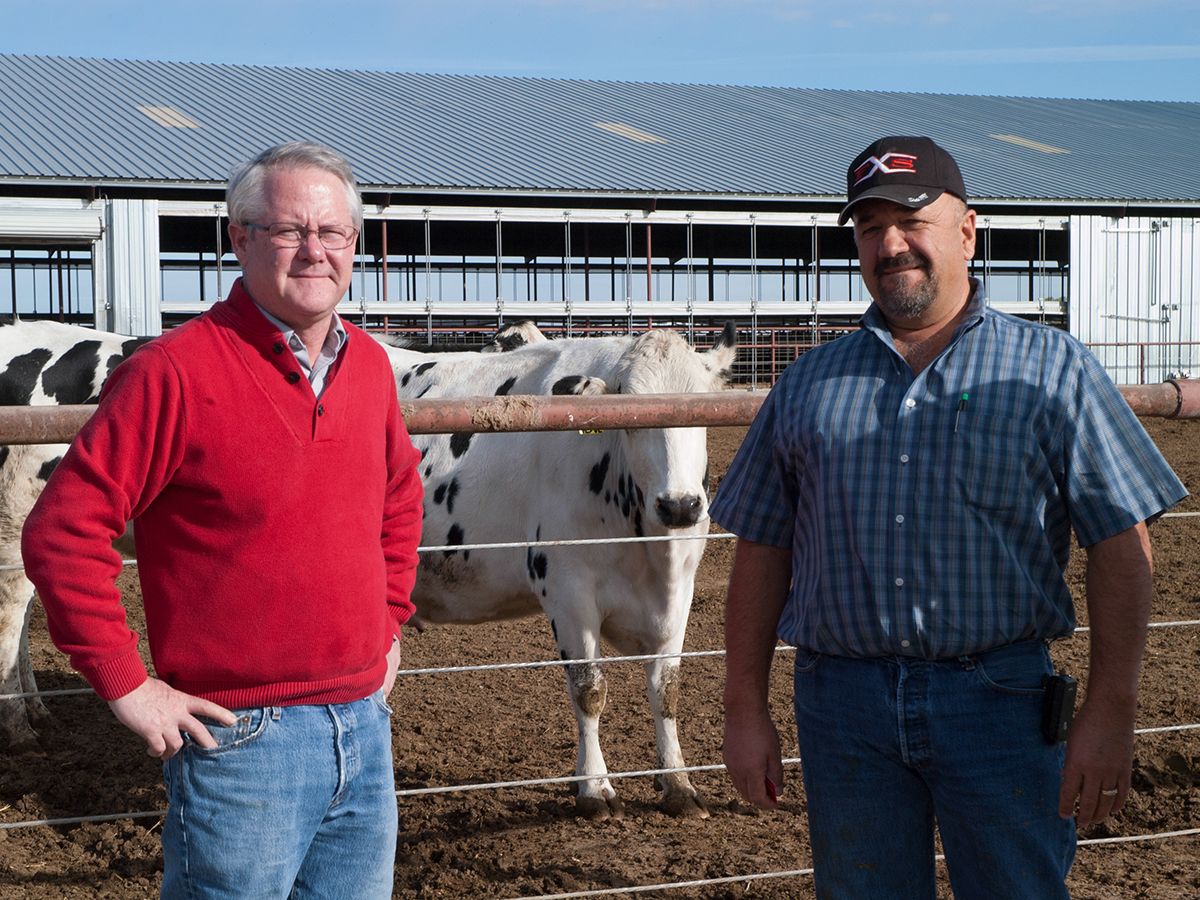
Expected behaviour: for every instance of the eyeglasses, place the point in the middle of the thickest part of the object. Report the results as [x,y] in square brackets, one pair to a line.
[285,234]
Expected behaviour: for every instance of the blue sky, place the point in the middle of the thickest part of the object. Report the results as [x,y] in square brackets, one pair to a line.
[1135,49]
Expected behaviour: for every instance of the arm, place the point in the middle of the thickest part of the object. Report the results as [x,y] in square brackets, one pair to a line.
[401,532]
[121,459]
[758,588]
[1100,744]
[393,663]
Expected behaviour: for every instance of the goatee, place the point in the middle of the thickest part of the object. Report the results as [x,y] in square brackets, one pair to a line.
[903,300]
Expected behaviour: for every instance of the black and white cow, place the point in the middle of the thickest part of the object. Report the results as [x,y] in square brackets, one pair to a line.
[613,484]
[505,487]
[41,364]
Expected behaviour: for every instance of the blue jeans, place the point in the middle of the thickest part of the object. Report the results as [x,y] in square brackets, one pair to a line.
[296,801]
[890,745]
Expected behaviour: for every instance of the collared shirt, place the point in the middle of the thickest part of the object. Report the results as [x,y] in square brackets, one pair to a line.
[930,515]
[335,339]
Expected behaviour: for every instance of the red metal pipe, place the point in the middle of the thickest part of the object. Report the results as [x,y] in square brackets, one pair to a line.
[1189,399]
[58,424]
[540,413]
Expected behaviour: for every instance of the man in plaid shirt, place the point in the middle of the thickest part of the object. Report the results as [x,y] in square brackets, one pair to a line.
[904,503]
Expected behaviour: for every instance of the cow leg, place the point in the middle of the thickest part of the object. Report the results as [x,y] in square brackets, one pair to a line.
[16,732]
[39,716]
[595,797]
[677,797]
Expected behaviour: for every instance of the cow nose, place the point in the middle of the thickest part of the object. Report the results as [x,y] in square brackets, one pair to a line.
[679,512]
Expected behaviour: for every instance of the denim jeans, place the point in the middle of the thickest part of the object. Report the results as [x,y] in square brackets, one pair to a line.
[890,745]
[296,801]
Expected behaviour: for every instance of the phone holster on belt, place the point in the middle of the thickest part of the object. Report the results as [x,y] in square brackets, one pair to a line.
[1058,707]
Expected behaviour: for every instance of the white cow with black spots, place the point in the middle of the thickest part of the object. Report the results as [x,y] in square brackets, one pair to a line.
[541,486]
[41,364]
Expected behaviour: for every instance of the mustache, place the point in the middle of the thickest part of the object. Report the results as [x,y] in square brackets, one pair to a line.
[903,261]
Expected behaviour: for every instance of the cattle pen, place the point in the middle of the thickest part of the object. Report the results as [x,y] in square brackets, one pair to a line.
[1174,398]
[519,840]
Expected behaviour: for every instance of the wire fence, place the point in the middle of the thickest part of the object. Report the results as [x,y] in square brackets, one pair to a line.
[527,783]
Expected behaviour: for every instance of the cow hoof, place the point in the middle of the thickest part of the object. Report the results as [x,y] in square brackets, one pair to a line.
[684,806]
[39,716]
[599,809]
[23,741]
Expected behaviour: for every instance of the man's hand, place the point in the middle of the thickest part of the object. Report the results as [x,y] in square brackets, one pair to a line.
[758,587]
[752,758]
[393,663]
[1120,588]
[1096,776]
[160,715]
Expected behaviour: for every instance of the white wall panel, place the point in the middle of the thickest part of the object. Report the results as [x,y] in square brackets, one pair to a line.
[131,254]
[1132,297]
[49,221]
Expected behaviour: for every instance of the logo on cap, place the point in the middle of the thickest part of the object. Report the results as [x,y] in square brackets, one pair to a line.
[888,164]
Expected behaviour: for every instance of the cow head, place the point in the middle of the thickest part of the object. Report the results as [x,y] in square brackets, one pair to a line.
[510,337]
[670,465]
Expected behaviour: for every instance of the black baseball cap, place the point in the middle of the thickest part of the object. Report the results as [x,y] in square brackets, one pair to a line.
[911,171]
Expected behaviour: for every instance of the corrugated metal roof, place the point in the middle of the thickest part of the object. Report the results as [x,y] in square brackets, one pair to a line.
[107,121]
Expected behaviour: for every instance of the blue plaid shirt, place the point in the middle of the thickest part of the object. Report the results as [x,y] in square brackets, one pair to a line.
[930,515]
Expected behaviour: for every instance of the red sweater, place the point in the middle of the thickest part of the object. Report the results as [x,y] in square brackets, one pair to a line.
[276,533]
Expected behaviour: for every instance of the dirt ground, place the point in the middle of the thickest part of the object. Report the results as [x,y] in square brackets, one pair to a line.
[508,725]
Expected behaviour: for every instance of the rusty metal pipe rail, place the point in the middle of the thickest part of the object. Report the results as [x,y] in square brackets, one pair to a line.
[58,424]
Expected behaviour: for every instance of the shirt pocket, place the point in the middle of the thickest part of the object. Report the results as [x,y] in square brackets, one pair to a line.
[990,463]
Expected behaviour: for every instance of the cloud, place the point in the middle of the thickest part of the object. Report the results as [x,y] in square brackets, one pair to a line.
[786,10]
[1102,53]
[1094,9]
[648,5]
[937,12]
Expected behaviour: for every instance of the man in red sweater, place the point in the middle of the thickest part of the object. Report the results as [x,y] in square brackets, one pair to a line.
[260,453]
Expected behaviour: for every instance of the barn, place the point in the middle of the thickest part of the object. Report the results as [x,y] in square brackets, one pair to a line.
[590,206]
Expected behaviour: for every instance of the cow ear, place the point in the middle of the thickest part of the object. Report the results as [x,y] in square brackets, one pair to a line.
[728,336]
[720,358]
[579,385]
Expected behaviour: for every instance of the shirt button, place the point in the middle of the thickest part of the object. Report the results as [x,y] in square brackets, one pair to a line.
[277,349]
[321,410]
[293,377]
[899,582]
[905,644]
[899,520]
[903,457]
[910,402]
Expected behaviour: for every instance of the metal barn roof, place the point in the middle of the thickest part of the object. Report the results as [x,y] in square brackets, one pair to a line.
[104,121]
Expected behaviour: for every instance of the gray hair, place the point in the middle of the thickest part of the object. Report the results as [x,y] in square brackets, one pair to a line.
[244,196]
